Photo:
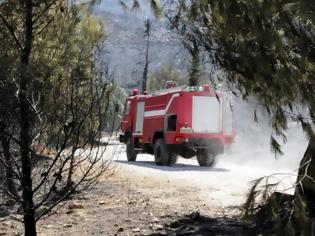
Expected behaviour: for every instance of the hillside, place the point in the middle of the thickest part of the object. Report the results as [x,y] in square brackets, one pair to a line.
[125,43]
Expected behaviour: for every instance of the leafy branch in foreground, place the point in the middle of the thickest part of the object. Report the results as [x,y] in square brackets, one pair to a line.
[56,95]
[263,49]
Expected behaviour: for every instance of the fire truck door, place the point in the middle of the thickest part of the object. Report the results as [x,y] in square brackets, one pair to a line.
[139,118]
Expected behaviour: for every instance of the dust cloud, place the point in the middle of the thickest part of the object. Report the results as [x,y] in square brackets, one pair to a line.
[252,147]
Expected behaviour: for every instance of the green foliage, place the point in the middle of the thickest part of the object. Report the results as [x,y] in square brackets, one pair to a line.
[59,94]
[289,229]
[271,211]
[264,47]
[67,97]
[67,80]
[277,213]
[115,108]
[158,79]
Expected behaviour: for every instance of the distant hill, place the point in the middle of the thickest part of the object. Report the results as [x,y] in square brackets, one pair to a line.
[125,44]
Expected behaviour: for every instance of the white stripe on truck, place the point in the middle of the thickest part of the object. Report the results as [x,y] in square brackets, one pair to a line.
[161,112]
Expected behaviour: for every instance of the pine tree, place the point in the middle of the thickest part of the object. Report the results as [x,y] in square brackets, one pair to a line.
[54,97]
[266,49]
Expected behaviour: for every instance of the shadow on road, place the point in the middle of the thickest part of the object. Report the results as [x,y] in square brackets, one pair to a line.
[196,224]
[176,167]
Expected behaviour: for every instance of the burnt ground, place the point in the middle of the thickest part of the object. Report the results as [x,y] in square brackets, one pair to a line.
[115,206]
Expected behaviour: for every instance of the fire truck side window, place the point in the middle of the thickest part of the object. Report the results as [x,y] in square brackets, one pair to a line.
[127,108]
[171,123]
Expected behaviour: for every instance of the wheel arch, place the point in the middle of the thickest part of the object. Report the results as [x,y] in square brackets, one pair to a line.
[158,134]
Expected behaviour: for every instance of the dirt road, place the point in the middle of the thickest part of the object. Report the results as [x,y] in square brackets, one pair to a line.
[140,198]
[227,183]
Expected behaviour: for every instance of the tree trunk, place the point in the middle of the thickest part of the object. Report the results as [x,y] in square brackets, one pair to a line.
[69,186]
[9,178]
[25,124]
[194,73]
[145,70]
[306,177]
[145,76]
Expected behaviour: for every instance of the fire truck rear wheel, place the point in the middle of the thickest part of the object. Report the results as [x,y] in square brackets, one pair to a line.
[172,159]
[161,155]
[205,158]
[130,150]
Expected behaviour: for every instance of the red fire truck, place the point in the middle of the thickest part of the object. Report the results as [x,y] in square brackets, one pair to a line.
[187,122]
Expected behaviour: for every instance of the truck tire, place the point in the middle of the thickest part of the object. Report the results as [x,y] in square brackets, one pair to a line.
[130,150]
[173,159]
[161,155]
[206,158]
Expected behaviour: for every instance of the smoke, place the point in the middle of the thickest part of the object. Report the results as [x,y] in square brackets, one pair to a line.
[252,146]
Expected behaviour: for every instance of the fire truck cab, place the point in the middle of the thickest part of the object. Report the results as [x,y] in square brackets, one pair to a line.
[186,122]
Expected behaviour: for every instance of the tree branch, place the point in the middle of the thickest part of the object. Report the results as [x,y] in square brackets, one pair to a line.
[11,30]
[44,11]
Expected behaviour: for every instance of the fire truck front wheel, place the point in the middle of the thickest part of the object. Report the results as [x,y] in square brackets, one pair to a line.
[130,150]
[206,158]
[161,155]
